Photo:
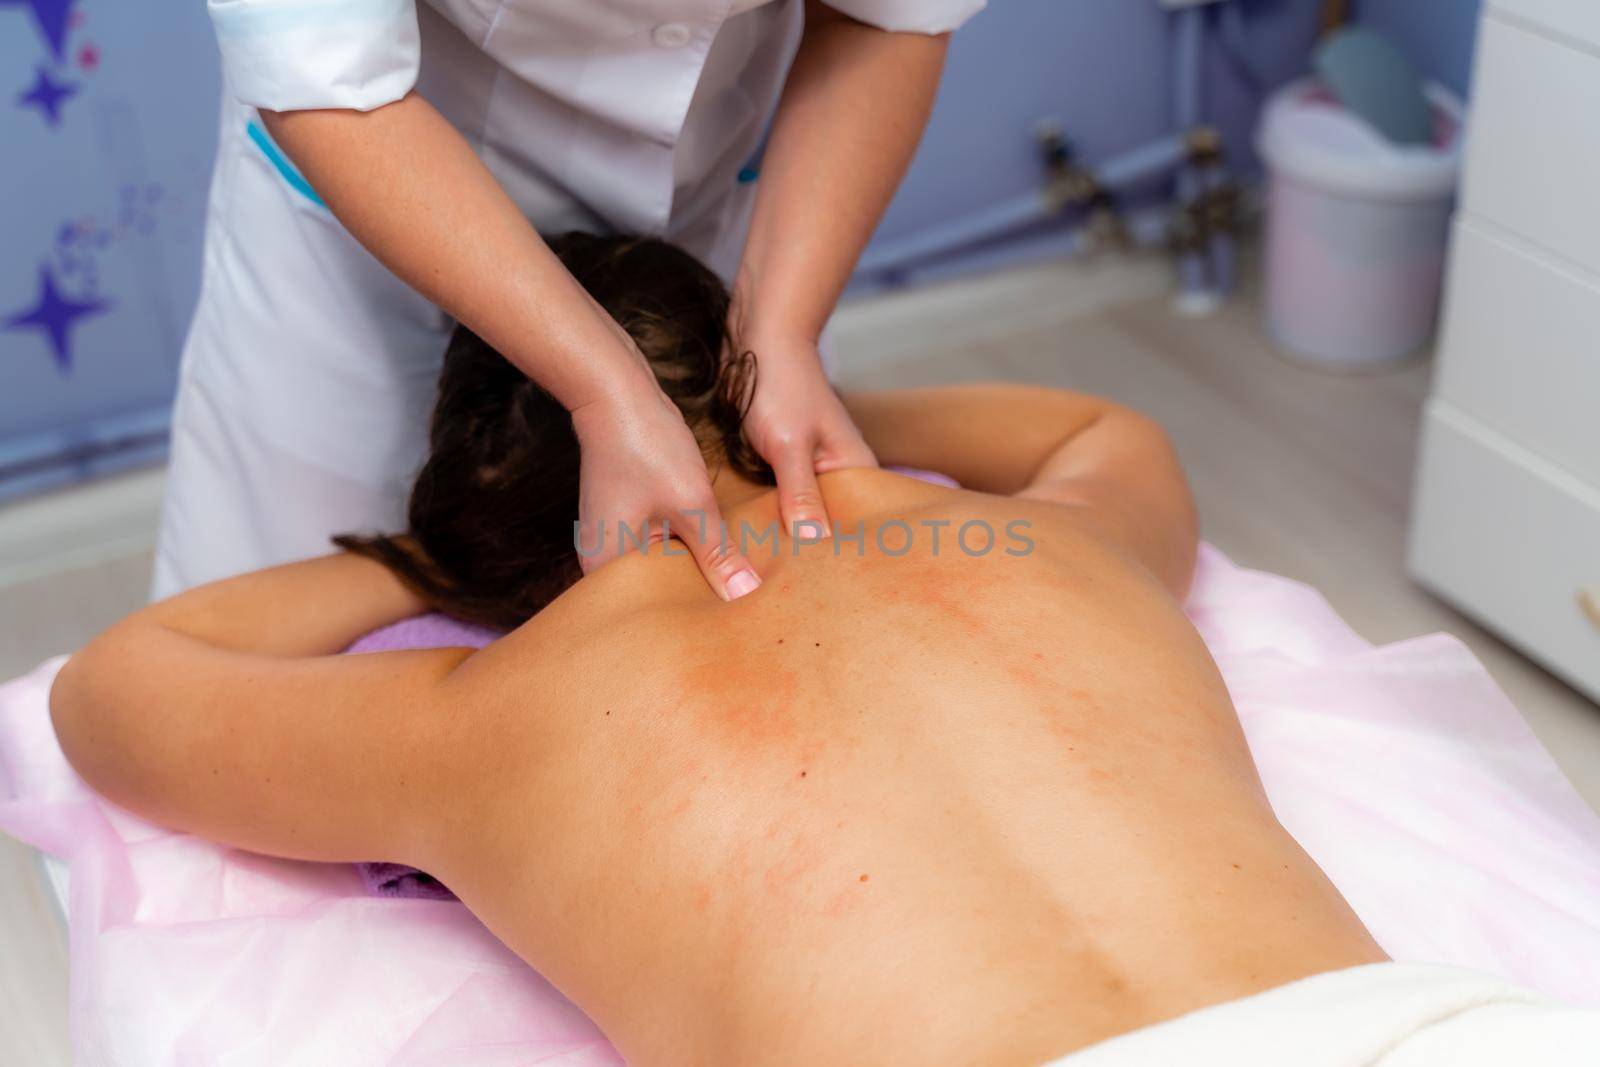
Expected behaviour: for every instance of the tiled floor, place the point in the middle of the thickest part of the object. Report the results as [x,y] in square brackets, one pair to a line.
[1297,472]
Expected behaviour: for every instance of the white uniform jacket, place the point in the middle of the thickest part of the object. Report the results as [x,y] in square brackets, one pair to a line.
[309,369]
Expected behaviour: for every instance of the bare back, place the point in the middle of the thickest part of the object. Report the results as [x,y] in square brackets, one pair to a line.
[924,807]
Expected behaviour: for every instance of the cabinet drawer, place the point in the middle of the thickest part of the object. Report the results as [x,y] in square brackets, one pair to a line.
[1511,540]
[1534,147]
[1521,347]
[1577,19]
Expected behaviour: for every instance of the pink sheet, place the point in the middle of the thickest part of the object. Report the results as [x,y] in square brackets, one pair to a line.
[1402,769]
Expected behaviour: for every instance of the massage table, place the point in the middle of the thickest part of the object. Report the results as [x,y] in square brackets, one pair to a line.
[1402,769]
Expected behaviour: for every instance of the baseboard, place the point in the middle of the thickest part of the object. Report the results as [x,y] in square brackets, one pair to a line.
[67,529]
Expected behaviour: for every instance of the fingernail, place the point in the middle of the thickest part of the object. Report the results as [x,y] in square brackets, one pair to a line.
[808,531]
[743,583]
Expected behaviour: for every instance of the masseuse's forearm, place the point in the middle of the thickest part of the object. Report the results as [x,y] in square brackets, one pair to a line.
[852,112]
[411,190]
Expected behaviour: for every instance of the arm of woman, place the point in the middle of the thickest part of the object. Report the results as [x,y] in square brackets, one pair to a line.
[1113,466]
[853,109]
[226,711]
[406,184]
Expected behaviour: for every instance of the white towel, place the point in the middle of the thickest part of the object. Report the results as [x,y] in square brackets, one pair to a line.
[1378,1015]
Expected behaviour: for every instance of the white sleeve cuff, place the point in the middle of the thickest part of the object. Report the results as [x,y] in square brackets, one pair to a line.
[910,16]
[292,55]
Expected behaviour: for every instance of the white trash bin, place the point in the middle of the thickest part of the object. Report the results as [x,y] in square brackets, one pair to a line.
[1357,228]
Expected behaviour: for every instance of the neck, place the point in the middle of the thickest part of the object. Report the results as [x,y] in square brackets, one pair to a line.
[734,491]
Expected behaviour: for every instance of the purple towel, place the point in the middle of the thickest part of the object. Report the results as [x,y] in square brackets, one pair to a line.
[397,880]
[441,631]
[425,631]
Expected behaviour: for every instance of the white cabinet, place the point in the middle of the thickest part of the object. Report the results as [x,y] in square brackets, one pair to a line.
[1533,151]
[1521,348]
[1512,539]
[1576,20]
[1506,520]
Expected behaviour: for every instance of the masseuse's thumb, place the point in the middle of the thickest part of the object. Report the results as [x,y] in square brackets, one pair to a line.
[716,550]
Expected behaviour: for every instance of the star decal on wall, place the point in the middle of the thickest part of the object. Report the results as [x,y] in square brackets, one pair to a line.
[47,95]
[53,18]
[55,315]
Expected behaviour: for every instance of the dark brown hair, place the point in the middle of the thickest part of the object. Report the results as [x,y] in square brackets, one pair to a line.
[490,536]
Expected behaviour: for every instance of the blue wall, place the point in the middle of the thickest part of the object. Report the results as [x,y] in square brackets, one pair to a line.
[108,198]
[1439,34]
[107,122]
[1100,67]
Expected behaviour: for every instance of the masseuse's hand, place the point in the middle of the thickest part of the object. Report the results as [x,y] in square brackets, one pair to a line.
[641,467]
[800,427]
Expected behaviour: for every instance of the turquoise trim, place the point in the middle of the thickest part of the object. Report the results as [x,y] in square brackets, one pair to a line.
[276,157]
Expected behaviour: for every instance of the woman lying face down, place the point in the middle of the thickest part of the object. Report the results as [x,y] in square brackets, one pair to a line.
[909,802]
